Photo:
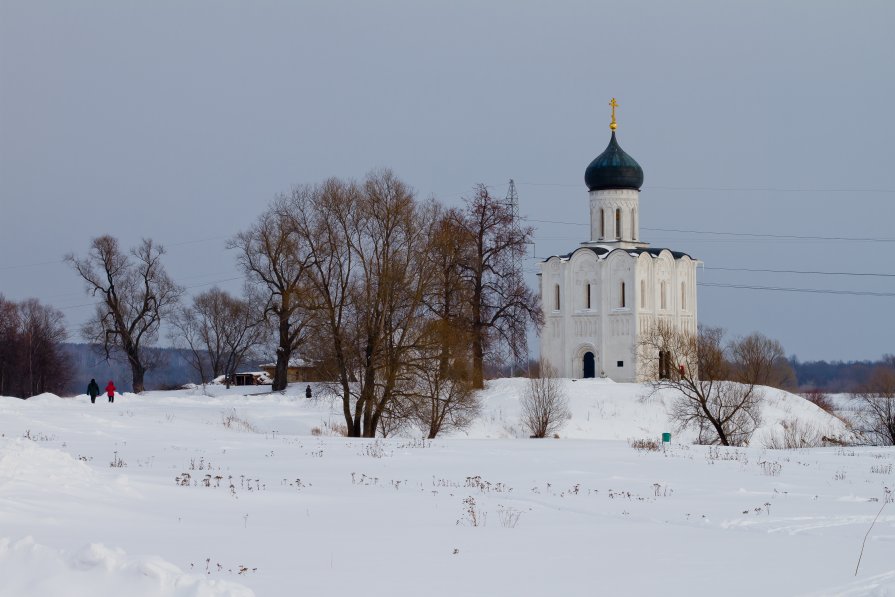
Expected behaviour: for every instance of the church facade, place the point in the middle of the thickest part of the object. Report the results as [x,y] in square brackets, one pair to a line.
[600,297]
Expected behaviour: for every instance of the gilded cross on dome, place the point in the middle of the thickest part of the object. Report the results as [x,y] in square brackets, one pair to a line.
[614,105]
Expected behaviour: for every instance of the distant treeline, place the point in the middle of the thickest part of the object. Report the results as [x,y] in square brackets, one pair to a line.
[170,369]
[835,376]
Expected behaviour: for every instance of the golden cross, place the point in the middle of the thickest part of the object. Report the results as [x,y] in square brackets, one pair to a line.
[614,105]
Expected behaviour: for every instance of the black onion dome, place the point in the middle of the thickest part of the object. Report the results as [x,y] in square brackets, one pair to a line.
[613,169]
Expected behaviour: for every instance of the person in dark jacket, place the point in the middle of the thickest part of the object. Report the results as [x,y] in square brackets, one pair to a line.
[308,392]
[93,390]
[110,391]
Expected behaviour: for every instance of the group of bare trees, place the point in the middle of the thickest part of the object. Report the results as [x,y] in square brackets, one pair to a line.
[136,295]
[716,385]
[717,390]
[402,302]
[32,359]
[219,332]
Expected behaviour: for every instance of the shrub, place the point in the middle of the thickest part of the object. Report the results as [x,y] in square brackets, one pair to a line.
[794,434]
[819,399]
[233,420]
[644,445]
[545,406]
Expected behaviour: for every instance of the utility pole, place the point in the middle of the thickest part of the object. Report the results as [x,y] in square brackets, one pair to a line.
[512,204]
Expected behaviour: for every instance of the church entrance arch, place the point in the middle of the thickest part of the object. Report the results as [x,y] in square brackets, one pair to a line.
[589,366]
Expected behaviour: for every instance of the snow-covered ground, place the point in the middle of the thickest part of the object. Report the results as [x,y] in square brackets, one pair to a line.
[155,495]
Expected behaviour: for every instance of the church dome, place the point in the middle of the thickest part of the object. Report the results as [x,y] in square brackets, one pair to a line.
[613,169]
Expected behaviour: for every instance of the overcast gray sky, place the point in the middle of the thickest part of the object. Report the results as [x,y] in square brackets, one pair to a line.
[180,120]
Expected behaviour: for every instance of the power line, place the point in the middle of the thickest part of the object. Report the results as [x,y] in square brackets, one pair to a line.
[803,290]
[795,271]
[55,261]
[783,236]
[36,264]
[727,189]
[556,222]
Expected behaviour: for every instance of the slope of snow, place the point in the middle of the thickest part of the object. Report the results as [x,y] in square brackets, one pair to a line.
[156,495]
[31,569]
[603,409]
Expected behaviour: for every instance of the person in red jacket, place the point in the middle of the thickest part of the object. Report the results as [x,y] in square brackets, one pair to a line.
[110,391]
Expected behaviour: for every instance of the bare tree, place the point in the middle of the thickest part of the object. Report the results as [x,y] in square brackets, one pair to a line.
[32,360]
[190,333]
[501,305]
[274,257]
[442,398]
[324,217]
[9,329]
[136,294]
[876,402]
[44,366]
[759,360]
[369,278]
[545,406]
[246,331]
[696,369]
[219,330]
[391,243]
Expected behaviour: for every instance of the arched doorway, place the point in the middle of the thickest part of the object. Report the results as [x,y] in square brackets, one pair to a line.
[589,368]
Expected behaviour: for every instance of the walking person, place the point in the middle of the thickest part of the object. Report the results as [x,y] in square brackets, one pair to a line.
[93,390]
[110,391]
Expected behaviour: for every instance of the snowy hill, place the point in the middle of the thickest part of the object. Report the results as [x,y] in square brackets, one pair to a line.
[603,409]
[179,493]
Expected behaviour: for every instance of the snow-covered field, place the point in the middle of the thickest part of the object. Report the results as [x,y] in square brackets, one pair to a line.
[154,495]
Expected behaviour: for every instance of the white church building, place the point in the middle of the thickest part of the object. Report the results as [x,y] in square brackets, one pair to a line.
[600,296]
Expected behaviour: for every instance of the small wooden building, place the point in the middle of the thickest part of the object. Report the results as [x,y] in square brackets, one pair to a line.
[250,378]
[246,378]
[298,370]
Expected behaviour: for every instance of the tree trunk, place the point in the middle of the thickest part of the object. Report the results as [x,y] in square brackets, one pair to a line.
[281,371]
[719,429]
[137,368]
[478,357]
[137,373]
[284,353]
[478,342]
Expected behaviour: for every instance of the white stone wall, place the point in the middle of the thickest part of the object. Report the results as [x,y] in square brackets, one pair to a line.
[603,208]
[609,327]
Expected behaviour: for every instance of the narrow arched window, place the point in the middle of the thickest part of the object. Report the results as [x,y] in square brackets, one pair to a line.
[621,302]
[556,296]
[634,224]
[587,296]
[683,298]
[662,298]
[618,224]
[643,294]
[602,224]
